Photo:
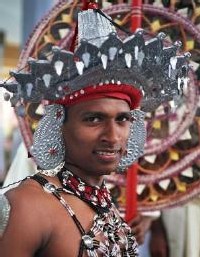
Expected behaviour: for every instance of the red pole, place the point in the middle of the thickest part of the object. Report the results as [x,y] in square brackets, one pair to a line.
[136,15]
[131,179]
[131,195]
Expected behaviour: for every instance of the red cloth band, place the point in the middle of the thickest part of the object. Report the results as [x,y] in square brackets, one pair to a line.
[124,92]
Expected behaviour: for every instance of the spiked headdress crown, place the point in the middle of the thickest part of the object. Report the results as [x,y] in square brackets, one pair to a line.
[102,61]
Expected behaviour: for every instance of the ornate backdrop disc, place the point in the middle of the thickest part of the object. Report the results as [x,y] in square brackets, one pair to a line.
[168,173]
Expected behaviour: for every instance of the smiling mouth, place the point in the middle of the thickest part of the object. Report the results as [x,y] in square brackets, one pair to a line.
[109,155]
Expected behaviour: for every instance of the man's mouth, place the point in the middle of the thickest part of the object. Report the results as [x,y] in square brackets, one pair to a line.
[109,155]
[110,152]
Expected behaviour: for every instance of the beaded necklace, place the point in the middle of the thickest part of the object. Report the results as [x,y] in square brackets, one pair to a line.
[117,238]
[97,197]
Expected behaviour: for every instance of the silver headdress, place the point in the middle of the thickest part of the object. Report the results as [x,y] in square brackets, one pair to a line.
[148,65]
[102,59]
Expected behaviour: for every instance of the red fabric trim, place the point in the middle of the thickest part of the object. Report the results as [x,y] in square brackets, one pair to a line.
[124,92]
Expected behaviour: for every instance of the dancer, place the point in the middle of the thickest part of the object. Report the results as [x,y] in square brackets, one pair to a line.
[90,129]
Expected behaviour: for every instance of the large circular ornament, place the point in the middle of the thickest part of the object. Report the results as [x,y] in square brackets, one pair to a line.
[168,173]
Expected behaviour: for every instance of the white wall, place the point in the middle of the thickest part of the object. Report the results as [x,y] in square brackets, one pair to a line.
[10,20]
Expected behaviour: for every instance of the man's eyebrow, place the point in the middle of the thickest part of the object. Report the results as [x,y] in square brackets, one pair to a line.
[93,113]
[100,113]
[127,112]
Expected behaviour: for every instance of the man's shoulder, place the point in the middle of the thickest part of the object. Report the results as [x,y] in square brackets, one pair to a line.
[28,198]
[29,205]
[25,223]
[17,203]
[26,192]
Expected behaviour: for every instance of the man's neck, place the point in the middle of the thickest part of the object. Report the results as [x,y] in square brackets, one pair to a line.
[91,180]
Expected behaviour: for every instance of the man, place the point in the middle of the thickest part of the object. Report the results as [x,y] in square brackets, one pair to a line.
[95,132]
[90,129]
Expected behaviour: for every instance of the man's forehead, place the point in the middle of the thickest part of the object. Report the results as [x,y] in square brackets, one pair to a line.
[102,104]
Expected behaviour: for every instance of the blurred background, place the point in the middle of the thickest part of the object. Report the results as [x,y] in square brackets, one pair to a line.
[17,20]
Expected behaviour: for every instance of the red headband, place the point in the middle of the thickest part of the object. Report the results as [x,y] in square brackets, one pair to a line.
[124,92]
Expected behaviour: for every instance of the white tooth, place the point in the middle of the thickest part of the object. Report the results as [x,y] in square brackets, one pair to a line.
[107,153]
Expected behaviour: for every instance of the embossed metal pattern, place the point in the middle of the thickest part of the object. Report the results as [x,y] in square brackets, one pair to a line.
[4,213]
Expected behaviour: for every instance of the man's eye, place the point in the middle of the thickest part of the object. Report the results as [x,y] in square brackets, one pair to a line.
[92,119]
[124,118]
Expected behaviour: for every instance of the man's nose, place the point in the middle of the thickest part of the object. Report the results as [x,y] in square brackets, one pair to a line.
[112,132]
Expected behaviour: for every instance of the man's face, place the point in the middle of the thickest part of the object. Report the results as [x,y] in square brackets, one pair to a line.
[96,134]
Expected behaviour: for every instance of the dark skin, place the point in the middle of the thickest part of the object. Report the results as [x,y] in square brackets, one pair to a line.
[158,242]
[140,225]
[99,136]
[95,133]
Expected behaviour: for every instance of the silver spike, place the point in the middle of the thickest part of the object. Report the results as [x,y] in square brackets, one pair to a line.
[46,78]
[173,62]
[179,83]
[80,67]
[104,59]
[140,58]
[128,59]
[86,59]
[185,85]
[112,53]
[136,52]
[29,87]
[58,65]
